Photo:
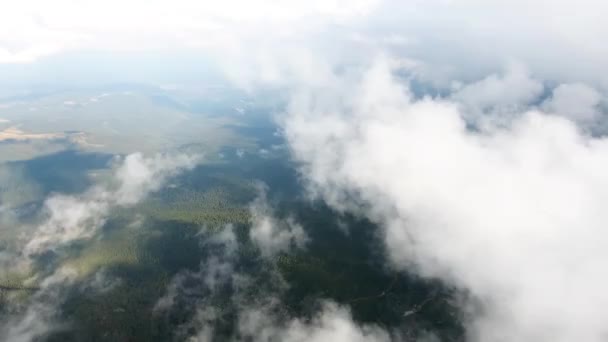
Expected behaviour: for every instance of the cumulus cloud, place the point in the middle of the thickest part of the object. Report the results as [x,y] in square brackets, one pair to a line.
[73,217]
[511,214]
[512,91]
[576,101]
[138,175]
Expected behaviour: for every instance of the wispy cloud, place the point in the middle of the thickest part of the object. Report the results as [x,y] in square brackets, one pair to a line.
[331,323]
[71,218]
[256,310]
[270,234]
[41,314]
[78,217]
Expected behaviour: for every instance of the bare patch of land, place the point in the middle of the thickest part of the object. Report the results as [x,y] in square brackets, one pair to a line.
[15,134]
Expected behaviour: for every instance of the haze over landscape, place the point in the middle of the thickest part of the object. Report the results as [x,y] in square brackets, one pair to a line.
[363,170]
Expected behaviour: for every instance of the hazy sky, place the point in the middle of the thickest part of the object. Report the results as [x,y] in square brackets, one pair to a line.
[444,39]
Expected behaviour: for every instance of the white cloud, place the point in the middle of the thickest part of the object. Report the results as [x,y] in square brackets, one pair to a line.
[74,217]
[199,290]
[40,316]
[443,40]
[270,234]
[461,39]
[101,282]
[473,37]
[79,217]
[332,323]
[513,91]
[215,270]
[32,29]
[257,318]
[513,214]
[576,101]
[139,175]
[70,218]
